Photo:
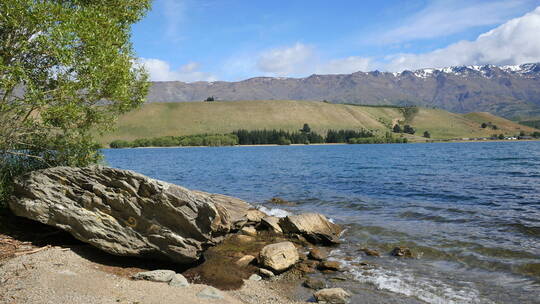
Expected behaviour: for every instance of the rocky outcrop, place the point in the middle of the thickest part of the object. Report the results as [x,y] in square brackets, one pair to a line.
[315,227]
[125,213]
[278,257]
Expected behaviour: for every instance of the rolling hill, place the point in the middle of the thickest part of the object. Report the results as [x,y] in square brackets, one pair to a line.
[509,91]
[188,118]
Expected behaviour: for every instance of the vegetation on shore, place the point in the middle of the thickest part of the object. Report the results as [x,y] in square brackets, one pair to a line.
[66,73]
[224,117]
[262,137]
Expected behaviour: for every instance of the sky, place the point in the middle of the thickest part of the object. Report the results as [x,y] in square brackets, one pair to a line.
[231,40]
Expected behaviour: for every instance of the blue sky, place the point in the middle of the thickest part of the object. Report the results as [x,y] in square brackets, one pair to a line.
[192,40]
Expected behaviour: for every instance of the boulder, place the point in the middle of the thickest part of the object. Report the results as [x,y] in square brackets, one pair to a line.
[332,296]
[272,224]
[314,226]
[125,213]
[278,257]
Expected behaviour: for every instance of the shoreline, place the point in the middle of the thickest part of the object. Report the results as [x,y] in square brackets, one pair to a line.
[334,144]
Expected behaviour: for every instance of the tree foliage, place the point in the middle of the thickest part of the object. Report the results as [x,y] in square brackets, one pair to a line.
[67,70]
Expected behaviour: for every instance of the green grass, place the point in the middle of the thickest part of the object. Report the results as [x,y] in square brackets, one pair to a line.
[188,118]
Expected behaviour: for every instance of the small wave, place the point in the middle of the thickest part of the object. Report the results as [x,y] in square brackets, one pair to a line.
[427,217]
[274,211]
[403,282]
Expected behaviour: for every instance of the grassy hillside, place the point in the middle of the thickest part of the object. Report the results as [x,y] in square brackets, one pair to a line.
[187,118]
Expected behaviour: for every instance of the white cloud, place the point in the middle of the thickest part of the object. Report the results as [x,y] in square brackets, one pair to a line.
[514,42]
[288,60]
[160,70]
[443,18]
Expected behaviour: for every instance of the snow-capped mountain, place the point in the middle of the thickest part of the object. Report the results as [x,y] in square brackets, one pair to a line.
[510,91]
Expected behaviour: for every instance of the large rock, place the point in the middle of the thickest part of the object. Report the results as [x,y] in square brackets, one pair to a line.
[125,213]
[314,226]
[278,257]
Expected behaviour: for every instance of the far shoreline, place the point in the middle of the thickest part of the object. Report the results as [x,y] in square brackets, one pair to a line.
[335,144]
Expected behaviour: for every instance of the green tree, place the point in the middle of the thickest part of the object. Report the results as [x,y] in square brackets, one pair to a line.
[408,129]
[396,129]
[211,98]
[67,70]
[483,125]
[426,134]
[305,129]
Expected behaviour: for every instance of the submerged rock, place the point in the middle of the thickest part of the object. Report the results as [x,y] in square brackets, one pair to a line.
[402,252]
[332,296]
[370,252]
[125,213]
[315,227]
[314,284]
[318,254]
[278,257]
[330,265]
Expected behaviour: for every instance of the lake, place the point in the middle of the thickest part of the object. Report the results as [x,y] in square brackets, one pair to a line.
[469,211]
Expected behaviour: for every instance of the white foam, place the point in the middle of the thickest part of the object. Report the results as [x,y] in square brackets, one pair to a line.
[274,211]
[403,282]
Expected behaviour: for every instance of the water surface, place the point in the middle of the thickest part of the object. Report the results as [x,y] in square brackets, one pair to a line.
[471,211]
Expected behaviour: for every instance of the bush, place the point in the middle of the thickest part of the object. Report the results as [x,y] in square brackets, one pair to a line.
[117,144]
[408,129]
[426,134]
[396,129]
[284,141]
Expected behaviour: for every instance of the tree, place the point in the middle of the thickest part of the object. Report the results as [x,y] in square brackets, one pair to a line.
[306,129]
[211,98]
[396,129]
[408,129]
[426,134]
[501,136]
[484,125]
[67,70]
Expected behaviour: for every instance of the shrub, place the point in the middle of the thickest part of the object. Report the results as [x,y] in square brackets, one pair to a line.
[396,128]
[426,134]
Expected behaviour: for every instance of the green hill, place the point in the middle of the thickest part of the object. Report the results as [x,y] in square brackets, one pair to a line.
[188,118]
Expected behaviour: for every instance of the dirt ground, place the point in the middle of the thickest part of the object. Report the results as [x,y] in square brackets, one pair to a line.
[40,264]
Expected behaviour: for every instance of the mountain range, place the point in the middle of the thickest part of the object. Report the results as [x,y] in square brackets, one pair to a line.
[509,91]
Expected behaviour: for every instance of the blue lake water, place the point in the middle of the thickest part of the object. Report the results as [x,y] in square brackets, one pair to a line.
[471,211]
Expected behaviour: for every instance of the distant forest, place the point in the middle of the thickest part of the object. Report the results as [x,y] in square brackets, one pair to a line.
[261,137]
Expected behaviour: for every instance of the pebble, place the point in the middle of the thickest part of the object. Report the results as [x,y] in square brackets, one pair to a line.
[210,293]
[179,281]
[255,277]
[155,275]
[266,273]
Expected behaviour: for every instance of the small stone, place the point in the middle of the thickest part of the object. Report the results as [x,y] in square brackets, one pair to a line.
[155,276]
[402,252]
[314,284]
[330,265]
[255,277]
[318,254]
[179,281]
[266,273]
[248,230]
[332,296]
[245,260]
[370,252]
[210,293]
[305,268]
